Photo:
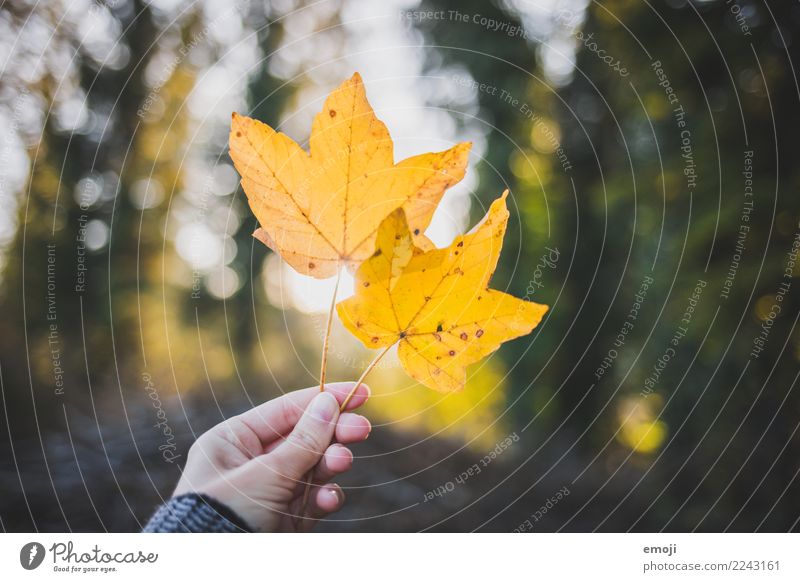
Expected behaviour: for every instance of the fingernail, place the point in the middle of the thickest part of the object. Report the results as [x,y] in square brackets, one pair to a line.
[334,494]
[345,452]
[324,406]
[369,424]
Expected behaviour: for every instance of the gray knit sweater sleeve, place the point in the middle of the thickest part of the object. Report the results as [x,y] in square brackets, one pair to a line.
[193,513]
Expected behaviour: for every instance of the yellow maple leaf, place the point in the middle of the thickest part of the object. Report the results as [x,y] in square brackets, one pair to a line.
[321,210]
[436,303]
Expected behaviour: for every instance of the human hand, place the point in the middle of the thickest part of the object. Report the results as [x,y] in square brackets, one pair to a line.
[255,463]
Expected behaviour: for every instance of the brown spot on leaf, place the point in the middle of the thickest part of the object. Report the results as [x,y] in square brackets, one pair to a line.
[375,340]
[460,243]
[452,352]
[332,113]
[311,265]
[439,327]
[402,334]
[464,336]
[238,134]
[378,253]
[438,337]
[479,333]
[366,283]
[416,231]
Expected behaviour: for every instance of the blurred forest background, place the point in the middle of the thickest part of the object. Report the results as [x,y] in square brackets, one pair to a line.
[650,148]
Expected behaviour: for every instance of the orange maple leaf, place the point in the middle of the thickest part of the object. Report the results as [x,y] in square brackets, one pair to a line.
[321,210]
[436,303]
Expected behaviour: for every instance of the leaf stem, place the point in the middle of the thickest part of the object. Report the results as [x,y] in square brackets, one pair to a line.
[322,373]
[324,364]
[363,375]
[300,518]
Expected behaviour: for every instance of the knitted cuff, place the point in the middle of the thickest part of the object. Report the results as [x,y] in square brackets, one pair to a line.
[193,513]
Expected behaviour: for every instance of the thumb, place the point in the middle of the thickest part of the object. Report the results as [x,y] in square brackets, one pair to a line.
[312,434]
